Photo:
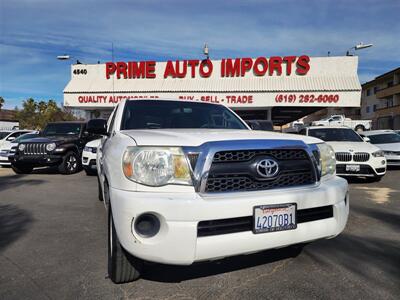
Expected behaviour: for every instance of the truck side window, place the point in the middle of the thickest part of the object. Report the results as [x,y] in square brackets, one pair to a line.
[111,124]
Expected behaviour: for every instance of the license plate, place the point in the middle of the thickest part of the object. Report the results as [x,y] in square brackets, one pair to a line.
[271,218]
[353,168]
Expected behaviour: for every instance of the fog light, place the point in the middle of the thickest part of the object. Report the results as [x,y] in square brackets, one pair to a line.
[147,225]
[383,162]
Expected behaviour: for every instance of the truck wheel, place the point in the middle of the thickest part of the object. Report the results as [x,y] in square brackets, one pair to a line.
[122,267]
[360,128]
[18,169]
[70,163]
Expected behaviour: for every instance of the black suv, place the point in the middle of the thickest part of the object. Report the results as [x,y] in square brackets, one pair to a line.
[59,144]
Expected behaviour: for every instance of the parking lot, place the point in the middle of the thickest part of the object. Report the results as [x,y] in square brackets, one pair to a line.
[53,246]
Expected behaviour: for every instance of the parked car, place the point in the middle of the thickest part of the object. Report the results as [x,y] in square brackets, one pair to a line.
[389,142]
[89,157]
[341,120]
[260,125]
[59,144]
[186,181]
[354,156]
[8,148]
[7,136]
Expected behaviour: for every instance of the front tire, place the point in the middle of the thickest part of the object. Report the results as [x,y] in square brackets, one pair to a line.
[70,164]
[18,169]
[122,267]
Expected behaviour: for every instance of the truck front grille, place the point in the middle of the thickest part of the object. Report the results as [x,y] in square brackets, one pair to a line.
[234,171]
[35,149]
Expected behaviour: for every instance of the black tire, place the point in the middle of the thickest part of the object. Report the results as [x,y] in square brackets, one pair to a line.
[360,128]
[99,191]
[122,267]
[18,169]
[70,163]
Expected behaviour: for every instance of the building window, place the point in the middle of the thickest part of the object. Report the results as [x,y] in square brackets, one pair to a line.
[368,92]
[375,107]
[367,109]
[375,89]
[390,102]
[390,83]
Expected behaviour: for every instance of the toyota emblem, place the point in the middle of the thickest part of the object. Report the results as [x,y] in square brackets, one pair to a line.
[267,168]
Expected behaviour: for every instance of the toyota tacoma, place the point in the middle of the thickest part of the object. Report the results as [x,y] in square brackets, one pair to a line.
[189,181]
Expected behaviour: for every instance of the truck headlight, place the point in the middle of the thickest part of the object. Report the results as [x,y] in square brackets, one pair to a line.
[327,160]
[156,166]
[378,153]
[50,147]
[21,147]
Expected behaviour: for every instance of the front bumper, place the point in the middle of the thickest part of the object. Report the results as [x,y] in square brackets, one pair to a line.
[178,241]
[89,160]
[373,167]
[393,160]
[37,160]
[4,161]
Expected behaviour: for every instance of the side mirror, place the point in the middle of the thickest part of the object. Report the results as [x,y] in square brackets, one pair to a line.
[97,126]
[366,139]
[11,138]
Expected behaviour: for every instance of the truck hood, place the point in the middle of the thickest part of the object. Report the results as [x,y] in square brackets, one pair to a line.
[353,147]
[52,139]
[196,137]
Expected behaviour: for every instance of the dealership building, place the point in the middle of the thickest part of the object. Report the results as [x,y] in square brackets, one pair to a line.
[281,89]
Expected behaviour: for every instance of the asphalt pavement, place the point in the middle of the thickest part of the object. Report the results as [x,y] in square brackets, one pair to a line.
[53,245]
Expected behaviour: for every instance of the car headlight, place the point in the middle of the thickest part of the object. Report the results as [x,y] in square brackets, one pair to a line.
[21,147]
[156,166]
[378,153]
[50,147]
[90,149]
[327,160]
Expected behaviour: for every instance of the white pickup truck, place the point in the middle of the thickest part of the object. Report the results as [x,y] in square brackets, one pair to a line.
[341,120]
[188,181]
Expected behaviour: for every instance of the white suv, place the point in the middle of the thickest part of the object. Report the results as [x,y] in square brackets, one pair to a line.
[189,181]
[354,156]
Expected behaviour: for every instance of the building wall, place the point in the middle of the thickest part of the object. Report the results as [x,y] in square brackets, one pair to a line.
[380,101]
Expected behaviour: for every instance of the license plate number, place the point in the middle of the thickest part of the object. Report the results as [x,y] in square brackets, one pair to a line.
[353,168]
[271,218]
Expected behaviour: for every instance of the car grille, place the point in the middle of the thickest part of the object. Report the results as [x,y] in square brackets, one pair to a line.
[361,156]
[347,156]
[343,156]
[35,149]
[241,224]
[234,171]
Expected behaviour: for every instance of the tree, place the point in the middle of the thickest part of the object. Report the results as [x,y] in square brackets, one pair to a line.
[35,115]
[1,102]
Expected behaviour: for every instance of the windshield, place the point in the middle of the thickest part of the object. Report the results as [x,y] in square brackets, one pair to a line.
[156,114]
[25,136]
[335,135]
[3,134]
[386,138]
[62,129]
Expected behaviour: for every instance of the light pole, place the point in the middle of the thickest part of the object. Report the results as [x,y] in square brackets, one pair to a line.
[205,51]
[67,57]
[360,46]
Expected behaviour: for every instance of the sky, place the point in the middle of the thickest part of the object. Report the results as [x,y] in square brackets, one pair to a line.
[34,32]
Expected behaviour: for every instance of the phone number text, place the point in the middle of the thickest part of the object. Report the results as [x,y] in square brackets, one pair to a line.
[306,98]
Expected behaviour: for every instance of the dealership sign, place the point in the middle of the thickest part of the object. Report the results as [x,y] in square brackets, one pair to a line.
[229,67]
[236,82]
